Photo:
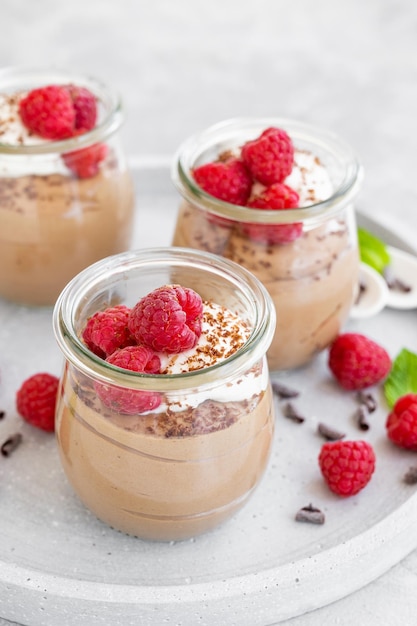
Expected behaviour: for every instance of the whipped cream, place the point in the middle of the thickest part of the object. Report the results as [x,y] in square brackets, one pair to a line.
[223,333]
[12,131]
[309,178]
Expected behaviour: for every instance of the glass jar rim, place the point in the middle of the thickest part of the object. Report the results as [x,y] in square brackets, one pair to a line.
[26,77]
[188,152]
[79,355]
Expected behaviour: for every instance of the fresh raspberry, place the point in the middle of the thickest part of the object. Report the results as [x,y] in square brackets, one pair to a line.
[131,401]
[168,319]
[36,399]
[401,423]
[136,359]
[279,197]
[107,330]
[84,163]
[48,112]
[270,157]
[357,361]
[347,466]
[227,180]
[85,107]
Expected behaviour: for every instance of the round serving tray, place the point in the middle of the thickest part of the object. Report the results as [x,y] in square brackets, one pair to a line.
[60,565]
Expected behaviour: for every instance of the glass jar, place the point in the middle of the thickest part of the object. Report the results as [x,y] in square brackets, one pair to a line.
[183,468]
[313,278]
[56,218]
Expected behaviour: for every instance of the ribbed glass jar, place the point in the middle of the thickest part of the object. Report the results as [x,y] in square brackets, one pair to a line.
[184,467]
[313,278]
[55,221]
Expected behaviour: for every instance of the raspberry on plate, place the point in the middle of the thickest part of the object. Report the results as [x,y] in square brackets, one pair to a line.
[347,466]
[401,423]
[270,157]
[48,112]
[36,399]
[84,163]
[107,330]
[357,361]
[85,107]
[227,180]
[275,197]
[131,401]
[168,319]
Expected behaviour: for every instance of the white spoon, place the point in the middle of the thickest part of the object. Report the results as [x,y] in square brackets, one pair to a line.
[403,266]
[373,296]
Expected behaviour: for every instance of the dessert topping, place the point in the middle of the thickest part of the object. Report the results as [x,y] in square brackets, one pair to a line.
[358,362]
[328,433]
[401,423]
[291,411]
[270,157]
[347,466]
[277,196]
[49,112]
[410,477]
[85,107]
[310,514]
[36,398]
[125,400]
[283,391]
[84,163]
[168,319]
[362,417]
[107,330]
[227,180]
[11,444]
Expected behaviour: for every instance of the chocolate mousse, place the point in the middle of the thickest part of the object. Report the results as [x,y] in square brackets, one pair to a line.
[307,258]
[188,463]
[61,209]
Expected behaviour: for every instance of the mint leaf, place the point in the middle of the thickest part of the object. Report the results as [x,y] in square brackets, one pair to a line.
[402,378]
[372,250]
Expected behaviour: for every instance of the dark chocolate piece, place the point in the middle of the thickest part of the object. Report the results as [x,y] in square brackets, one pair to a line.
[11,444]
[310,514]
[394,283]
[2,414]
[282,391]
[362,417]
[292,413]
[367,399]
[410,477]
[329,433]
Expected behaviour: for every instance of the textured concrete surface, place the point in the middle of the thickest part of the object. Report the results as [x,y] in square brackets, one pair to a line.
[180,65]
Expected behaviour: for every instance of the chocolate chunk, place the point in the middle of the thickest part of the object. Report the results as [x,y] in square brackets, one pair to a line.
[410,477]
[310,514]
[2,414]
[11,444]
[394,283]
[284,392]
[362,417]
[292,413]
[329,433]
[368,400]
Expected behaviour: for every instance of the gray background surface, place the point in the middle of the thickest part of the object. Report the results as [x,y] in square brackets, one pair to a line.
[181,65]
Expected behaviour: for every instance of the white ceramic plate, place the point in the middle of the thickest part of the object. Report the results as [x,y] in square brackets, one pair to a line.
[59,565]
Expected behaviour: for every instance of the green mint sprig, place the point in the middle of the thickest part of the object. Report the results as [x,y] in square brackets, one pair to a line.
[373,251]
[402,378]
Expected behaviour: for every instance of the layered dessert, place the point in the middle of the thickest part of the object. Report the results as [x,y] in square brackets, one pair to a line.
[65,200]
[174,458]
[304,253]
